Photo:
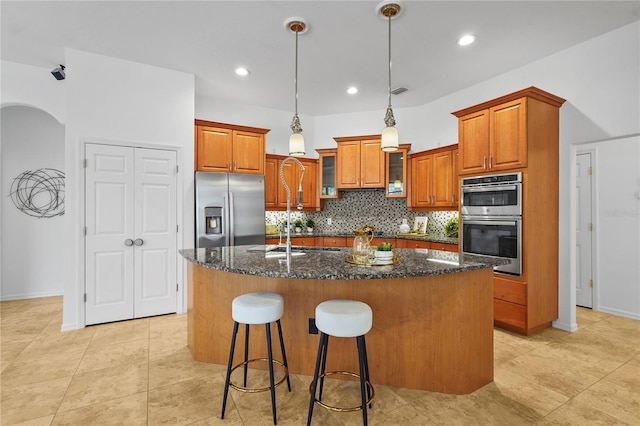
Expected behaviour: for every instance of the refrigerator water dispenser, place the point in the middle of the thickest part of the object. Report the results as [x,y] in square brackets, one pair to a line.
[213,220]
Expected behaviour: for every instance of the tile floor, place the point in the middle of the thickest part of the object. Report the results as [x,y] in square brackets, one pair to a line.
[141,373]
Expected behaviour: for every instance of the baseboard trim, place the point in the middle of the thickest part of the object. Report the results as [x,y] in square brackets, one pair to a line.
[5,298]
[565,326]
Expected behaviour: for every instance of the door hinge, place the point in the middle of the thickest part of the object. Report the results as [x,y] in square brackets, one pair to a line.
[84,231]
[177,168]
[84,163]
[177,287]
[591,227]
[85,298]
[177,227]
[591,283]
[590,170]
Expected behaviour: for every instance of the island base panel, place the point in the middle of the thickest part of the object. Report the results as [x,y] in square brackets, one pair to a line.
[431,332]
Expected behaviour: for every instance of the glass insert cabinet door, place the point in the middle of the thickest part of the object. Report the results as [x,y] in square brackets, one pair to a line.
[396,173]
[328,173]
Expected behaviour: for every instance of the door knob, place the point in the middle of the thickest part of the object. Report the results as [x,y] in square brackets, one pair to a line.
[138,242]
[128,242]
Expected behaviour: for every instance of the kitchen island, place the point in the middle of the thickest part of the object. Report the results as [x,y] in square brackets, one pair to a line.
[432,311]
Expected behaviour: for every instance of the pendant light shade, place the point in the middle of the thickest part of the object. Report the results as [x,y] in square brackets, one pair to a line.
[296,145]
[296,140]
[389,139]
[390,133]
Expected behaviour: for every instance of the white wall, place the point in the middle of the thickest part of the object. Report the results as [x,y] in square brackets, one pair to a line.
[33,86]
[616,184]
[114,100]
[32,262]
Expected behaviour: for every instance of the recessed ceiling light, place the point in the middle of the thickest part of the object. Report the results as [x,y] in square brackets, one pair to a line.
[352,90]
[242,71]
[466,39]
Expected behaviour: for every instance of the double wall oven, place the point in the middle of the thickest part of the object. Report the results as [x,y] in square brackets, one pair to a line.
[491,218]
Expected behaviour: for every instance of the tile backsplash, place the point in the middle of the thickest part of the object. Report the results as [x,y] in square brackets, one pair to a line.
[368,207]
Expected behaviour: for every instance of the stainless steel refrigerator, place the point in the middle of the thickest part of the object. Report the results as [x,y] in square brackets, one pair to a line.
[229,209]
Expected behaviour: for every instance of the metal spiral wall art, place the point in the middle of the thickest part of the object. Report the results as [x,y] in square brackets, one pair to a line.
[39,193]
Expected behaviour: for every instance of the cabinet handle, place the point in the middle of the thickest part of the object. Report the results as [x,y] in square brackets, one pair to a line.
[490,158]
[484,162]
[229,168]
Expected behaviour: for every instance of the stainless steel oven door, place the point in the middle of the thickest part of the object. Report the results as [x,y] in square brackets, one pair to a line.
[499,237]
[492,199]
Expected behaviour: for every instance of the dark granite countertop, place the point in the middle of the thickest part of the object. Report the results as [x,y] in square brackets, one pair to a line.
[328,263]
[436,238]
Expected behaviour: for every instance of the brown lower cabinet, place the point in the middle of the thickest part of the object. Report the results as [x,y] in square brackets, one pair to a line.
[331,241]
[510,303]
[413,244]
[348,242]
[444,246]
[401,243]
[303,241]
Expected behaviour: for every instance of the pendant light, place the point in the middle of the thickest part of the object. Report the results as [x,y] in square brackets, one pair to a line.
[390,133]
[296,140]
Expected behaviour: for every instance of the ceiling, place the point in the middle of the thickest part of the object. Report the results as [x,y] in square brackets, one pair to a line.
[346,44]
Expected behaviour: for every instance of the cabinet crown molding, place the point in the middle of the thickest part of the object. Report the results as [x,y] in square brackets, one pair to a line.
[530,92]
[231,126]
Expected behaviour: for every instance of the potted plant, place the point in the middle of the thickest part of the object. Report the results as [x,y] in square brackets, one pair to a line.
[384,253]
[298,225]
[310,223]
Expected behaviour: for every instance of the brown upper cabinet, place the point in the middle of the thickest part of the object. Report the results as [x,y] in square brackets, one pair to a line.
[494,136]
[274,192]
[396,172]
[360,162]
[433,179]
[221,147]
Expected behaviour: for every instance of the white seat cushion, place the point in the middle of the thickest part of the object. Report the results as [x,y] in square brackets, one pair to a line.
[257,308]
[344,318]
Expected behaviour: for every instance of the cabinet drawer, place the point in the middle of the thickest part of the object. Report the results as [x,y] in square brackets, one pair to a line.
[417,244]
[303,241]
[334,241]
[444,246]
[510,290]
[510,313]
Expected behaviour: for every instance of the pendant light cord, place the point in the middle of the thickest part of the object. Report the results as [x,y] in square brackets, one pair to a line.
[295,80]
[389,85]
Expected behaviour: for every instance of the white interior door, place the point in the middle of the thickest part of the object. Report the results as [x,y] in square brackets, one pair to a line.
[584,230]
[155,232]
[131,247]
[109,186]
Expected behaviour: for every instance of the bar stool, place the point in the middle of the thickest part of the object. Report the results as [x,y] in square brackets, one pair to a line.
[342,318]
[256,308]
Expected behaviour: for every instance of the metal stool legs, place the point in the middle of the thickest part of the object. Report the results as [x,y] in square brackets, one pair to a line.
[319,373]
[272,384]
